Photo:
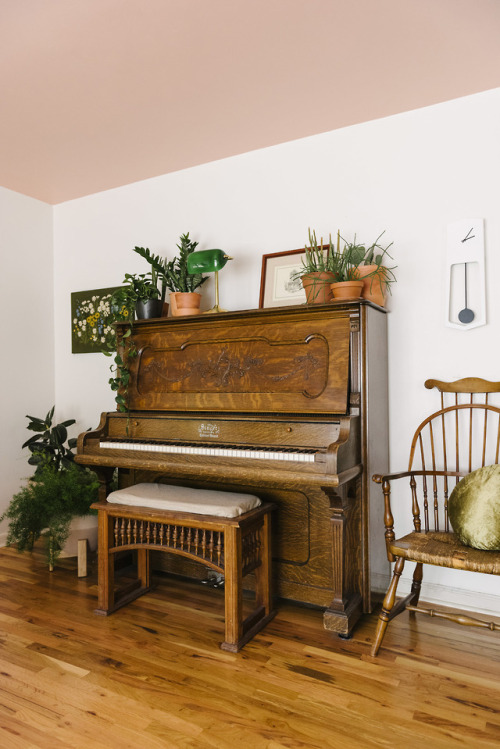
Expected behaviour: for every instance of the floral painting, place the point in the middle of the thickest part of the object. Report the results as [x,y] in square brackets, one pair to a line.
[92,321]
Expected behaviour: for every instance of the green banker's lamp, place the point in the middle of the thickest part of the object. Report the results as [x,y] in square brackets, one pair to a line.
[209,261]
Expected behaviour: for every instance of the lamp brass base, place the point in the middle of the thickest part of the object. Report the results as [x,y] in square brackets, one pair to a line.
[215,308]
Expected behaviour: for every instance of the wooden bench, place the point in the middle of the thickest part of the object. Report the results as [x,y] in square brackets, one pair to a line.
[231,545]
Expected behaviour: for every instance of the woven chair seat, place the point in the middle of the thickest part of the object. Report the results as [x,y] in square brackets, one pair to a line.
[445,550]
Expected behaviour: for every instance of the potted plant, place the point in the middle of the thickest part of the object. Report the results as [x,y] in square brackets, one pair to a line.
[316,272]
[158,274]
[139,295]
[184,299]
[59,490]
[376,274]
[344,263]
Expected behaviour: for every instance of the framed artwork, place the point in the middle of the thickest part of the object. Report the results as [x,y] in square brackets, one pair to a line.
[92,321]
[277,286]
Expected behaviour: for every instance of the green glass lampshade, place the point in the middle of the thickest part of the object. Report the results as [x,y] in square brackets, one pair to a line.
[206,261]
[209,261]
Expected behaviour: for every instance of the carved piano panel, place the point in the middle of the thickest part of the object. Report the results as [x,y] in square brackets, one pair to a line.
[221,365]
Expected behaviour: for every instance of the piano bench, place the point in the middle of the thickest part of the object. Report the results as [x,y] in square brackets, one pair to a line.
[225,531]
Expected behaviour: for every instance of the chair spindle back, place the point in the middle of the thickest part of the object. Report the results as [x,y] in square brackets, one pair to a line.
[462,436]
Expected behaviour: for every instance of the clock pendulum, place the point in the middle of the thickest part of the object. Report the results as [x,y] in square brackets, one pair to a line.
[465,315]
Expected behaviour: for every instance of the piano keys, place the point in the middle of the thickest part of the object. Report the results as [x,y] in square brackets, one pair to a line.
[277,403]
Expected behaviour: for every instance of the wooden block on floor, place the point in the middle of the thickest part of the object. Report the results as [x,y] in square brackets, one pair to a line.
[82,557]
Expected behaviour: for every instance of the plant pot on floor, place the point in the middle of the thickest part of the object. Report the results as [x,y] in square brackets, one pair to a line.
[185,303]
[80,527]
[374,283]
[148,309]
[317,286]
[347,289]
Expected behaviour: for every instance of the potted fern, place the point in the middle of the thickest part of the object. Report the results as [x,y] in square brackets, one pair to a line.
[58,492]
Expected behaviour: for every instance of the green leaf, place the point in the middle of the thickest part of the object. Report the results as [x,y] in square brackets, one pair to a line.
[36,425]
[31,440]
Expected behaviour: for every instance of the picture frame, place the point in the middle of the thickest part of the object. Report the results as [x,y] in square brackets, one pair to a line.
[277,289]
[92,321]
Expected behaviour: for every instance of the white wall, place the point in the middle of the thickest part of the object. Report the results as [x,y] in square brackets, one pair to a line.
[410,174]
[26,333]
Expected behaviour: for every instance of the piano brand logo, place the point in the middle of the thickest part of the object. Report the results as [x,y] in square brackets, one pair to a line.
[209,430]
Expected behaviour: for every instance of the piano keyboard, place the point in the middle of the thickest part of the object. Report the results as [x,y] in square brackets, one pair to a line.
[304,456]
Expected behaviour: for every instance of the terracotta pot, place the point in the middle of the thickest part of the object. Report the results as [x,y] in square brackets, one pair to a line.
[347,289]
[317,286]
[375,286]
[185,303]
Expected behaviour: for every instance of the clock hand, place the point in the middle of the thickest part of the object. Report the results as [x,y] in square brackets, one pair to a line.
[468,235]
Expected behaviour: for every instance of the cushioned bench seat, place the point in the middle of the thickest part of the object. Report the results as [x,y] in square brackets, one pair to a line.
[186,499]
[225,531]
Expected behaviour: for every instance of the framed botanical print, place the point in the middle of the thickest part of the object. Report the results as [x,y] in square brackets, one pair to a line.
[278,285]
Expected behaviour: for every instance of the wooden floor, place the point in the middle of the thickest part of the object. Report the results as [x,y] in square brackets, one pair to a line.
[152,675]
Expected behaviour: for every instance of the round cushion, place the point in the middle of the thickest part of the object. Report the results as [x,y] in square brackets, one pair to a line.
[474,509]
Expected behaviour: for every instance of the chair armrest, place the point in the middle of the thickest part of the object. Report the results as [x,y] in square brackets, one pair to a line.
[379,478]
[385,480]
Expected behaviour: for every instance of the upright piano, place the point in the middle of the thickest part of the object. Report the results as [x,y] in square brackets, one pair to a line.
[287,403]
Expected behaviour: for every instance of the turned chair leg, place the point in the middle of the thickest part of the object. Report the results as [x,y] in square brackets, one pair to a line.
[416,585]
[387,606]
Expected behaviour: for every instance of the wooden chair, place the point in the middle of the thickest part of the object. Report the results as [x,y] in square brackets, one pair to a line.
[462,436]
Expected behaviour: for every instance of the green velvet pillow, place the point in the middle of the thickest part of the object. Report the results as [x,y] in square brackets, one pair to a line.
[474,509]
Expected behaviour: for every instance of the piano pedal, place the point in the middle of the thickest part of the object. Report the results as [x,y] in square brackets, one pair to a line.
[214,580]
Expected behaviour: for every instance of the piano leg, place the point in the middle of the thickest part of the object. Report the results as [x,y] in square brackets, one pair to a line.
[263,582]
[347,559]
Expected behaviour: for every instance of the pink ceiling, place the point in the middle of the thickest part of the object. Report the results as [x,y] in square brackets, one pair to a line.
[100,93]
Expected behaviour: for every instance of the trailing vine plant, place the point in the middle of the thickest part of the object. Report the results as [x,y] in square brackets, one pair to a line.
[120,370]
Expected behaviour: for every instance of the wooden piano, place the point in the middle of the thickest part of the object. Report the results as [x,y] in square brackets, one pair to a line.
[287,403]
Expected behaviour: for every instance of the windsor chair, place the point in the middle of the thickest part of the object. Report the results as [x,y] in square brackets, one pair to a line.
[448,445]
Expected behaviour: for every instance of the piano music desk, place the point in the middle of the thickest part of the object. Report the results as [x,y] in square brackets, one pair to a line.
[232,546]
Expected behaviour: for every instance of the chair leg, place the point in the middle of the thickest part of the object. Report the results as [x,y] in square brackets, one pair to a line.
[106,571]
[387,606]
[233,594]
[416,585]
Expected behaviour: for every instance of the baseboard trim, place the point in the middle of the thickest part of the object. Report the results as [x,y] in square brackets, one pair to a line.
[443,595]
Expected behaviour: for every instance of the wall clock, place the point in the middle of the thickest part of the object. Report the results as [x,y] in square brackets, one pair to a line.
[466,293]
